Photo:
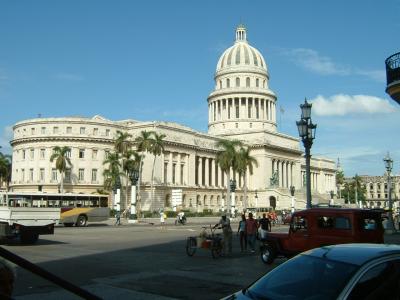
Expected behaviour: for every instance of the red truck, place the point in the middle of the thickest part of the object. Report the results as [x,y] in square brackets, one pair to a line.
[318,227]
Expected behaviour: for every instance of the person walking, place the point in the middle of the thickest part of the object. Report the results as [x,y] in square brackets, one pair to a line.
[225,224]
[118,218]
[242,234]
[251,231]
[265,226]
[162,219]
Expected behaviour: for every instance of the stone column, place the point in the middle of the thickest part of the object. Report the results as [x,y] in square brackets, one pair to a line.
[247,108]
[178,170]
[206,172]
[200,171]
[169,170]
[213,172]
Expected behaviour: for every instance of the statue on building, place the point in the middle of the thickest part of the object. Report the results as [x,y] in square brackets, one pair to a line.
[274,180]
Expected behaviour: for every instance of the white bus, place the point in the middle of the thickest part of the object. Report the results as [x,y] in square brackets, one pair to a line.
[76,209]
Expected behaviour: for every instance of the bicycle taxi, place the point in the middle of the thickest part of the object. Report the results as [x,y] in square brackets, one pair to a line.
[208,240]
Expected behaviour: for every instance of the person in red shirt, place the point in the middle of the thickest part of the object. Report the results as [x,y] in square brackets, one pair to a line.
[251,231]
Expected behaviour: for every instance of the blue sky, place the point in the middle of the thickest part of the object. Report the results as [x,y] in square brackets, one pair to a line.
[155,60]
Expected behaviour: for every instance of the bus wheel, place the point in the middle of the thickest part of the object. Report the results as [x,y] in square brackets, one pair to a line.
[68,224]
[82,221]
[29,238]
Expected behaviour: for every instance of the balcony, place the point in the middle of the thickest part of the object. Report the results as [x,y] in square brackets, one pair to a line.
[393,76]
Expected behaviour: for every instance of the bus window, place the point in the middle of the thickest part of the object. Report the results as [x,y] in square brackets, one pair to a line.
[94,203]
[104,202]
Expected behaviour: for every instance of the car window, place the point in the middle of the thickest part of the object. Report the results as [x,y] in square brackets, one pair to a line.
[303,277]
[369,224]
[342,223]
[329,222]
[379,282]
[299,223]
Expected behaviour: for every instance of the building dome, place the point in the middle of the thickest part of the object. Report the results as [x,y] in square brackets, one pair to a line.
[241,56]
[241,101]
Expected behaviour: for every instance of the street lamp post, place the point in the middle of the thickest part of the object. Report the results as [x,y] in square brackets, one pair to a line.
[307,133]
[292,191]
[232,189]
[133,176]
[389,166]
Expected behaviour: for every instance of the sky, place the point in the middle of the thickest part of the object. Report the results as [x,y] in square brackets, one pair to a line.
[155,60]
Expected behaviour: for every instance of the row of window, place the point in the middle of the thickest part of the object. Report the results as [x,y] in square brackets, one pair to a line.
[238,83]
[42,153]
[29,175]
[68,130]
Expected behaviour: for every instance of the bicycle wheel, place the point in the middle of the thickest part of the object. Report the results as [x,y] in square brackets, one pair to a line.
[216,249]
[191,246]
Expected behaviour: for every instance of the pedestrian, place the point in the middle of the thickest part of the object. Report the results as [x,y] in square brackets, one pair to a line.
[117,218]
[162,219]
[225,224]
[251,231]
[265,226]
[242,234]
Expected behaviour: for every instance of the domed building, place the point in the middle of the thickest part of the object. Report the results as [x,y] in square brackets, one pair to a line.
[241,107]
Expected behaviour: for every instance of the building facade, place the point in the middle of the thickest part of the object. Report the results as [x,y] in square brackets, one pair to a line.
[241,107]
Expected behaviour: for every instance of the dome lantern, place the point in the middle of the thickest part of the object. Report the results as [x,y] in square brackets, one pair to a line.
[241,35]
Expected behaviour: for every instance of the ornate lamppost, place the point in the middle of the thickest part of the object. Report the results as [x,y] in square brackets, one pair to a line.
[307,133]
[292,191]
[133,176]
[389,166]
[232,190]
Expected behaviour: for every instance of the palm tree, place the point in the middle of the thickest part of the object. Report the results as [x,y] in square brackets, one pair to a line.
[245,161]
[5,169]
[144,144]
[339,181]
[112,173]
[157,148]
[130,162]
[60,155]
[227,159]
[123,145]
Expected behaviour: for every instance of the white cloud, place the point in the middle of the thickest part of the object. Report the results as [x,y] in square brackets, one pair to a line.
[340,105]
[313,61]
[69,76]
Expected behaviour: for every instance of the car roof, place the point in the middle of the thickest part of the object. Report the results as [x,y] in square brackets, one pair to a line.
[356,254]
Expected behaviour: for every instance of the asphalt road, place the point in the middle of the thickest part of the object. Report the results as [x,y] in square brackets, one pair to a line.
[136,261]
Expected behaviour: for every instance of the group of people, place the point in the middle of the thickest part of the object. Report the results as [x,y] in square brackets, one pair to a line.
[247,230]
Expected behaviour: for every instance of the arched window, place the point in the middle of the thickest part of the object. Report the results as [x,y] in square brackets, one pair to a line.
[257,82]
[264,84]
[228,83]
[248,82]
[237,82]
[220,84]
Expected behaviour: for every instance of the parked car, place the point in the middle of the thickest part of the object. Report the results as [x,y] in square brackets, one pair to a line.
[318,227]
[347,271]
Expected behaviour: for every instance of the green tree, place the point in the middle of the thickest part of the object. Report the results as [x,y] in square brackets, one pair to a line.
[122,146]
[245,162]
[340,181]
[60,155]
[144,143]
[112,174]
[157,147]
[130,163]
[5,169]
[354,190]
[227,159]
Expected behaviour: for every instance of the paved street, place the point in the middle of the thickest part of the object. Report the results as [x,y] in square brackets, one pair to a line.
[134,262]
